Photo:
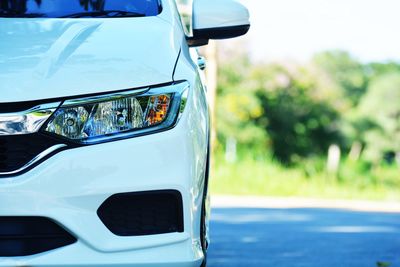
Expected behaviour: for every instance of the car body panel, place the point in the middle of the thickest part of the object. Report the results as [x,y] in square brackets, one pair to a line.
[70,186]
[51,58]
[173,255]
[54,58]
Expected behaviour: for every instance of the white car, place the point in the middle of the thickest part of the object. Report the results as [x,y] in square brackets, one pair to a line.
[104,131]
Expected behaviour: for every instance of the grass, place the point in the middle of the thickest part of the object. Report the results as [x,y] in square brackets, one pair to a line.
[309,179]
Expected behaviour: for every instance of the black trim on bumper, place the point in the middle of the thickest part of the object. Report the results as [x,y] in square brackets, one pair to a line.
[143,213]
[24,236]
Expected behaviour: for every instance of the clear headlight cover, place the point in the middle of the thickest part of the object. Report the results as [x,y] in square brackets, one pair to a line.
[121,115]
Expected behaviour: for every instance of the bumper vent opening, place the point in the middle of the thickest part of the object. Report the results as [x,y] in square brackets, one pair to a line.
[144,213]
[18,150]
[24,236]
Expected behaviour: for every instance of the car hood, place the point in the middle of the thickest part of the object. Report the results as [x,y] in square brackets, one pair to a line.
[51,58]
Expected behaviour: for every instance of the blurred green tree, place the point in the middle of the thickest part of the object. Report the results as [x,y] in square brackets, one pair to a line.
[377,69]
[238,108]
[346,71]
[299,121]
[380,106]
[296,111]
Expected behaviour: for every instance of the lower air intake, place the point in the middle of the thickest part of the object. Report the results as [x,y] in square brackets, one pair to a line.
[145,213]
[24,236]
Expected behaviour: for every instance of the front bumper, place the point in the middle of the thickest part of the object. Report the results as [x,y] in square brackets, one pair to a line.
[179,254]
[70,186]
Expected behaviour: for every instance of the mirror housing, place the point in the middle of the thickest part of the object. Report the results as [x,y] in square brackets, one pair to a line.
[218,19]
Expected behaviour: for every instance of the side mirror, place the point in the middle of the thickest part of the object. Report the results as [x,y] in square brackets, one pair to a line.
[218,19]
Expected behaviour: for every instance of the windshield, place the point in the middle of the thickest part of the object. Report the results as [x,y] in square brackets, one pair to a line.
[78,8]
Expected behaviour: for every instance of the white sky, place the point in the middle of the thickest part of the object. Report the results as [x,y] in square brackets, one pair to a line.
[296,29]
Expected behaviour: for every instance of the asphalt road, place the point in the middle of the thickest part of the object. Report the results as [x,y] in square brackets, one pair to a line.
[248,237]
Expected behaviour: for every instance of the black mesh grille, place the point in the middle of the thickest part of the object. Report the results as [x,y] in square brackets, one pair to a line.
[23,236]
[18,150]
[145,213]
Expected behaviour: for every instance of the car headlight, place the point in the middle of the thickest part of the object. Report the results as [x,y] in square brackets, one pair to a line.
[120,115]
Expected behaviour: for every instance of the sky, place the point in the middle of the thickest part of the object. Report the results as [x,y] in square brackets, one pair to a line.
[296,29]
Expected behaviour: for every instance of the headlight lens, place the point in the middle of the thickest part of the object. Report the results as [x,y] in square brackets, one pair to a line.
[97,119]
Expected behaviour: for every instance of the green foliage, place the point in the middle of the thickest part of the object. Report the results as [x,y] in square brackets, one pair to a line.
[238,108]
[377,69]
[383,264]
[267,177]
[296,111]
[346,71]
[299,124]
[284,109]
[291,113]
[381,107]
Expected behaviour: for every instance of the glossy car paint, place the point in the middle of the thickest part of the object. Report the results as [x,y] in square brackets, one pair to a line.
[43,58]
[222,13]
[58,60]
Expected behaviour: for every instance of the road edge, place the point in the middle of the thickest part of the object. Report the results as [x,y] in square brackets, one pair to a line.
[220,201]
